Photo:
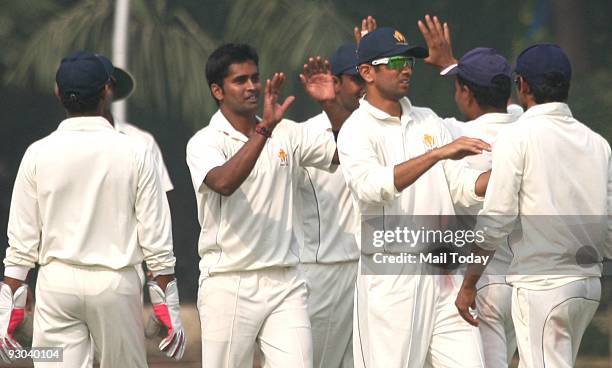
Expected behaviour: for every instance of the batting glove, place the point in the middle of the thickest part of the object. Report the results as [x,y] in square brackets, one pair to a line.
[12,313]
[166,312]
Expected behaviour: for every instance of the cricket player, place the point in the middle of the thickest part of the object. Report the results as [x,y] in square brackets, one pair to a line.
[243,170]
[482,89]
[327,226]
[398,159]
[552,177]
[123,86]
[88,207]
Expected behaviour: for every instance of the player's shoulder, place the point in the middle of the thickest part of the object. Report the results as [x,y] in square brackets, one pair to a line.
[136,132]
[319,122]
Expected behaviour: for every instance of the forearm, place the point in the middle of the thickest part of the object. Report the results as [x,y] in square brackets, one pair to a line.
[475,270]
[225,179]
[406,173]
[336,114]
[482,182]
[14,284]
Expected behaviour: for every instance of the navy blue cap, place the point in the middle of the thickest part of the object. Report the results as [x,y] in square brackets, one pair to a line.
[344,60]
[541,59]
[480,66]
[385,41]
[83,74]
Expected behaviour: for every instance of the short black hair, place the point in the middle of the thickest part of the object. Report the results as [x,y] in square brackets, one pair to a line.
[554,88]
[218,64]
[79,105]
[490,96]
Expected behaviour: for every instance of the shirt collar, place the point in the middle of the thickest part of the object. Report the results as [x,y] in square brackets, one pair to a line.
[120,126]
[220,122]
[495,118]
[85,123]
[381,115]
[560,109]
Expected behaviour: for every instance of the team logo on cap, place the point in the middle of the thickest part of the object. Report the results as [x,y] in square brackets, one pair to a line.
[429,142]
[399,37]
[283,157]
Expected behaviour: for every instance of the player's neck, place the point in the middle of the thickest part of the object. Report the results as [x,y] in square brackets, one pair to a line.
[244,123]
[390,106]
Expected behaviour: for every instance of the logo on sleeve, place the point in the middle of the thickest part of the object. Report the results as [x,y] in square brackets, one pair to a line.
[429,142]
[282,155]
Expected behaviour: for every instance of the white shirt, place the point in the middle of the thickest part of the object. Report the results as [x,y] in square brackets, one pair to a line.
[87,195]
[328,222]
[152,146]
[371,143]
[485,127]
[553,171]
[254,227]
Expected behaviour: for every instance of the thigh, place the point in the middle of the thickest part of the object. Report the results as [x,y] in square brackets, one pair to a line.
[54,327]
[330,308]
[230,317]
[114,317]
[454,342]
[285,337]
[566,322]
[393,321]
[494,313]
[59,319]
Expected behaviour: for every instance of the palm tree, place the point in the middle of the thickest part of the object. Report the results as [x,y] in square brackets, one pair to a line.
[167,54]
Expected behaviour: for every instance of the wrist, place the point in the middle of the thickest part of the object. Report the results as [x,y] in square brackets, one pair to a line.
[263,129]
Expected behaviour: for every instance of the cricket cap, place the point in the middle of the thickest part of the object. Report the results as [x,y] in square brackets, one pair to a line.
[480,66]
[344,60]
[539,62]
[385,41]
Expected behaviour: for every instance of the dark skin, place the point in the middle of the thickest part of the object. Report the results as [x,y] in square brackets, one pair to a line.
[101,110]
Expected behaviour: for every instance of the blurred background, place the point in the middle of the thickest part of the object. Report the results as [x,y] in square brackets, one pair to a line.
[169,42]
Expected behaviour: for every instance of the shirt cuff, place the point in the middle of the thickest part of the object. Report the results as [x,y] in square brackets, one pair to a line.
[389,186]
[16,272]
[165,271]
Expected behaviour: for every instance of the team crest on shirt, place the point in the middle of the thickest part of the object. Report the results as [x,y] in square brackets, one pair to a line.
[429,142]
[282,155]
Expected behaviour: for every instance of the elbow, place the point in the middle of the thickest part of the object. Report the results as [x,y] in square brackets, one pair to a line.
[225,188]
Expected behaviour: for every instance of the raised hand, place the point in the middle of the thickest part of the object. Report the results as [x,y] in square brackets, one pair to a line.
[273,112]
[368,24]
[317,80]
[438,39]
[462,147]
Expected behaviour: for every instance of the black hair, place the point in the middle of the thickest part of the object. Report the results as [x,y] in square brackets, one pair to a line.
[491,96]
[554,88]
[78,105]
[218,64]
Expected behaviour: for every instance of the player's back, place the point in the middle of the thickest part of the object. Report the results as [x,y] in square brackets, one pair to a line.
[86,177]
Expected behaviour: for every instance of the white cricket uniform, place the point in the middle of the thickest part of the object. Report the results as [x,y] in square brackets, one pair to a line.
[328,256]
[556,174]
[406,320]
[152,146]
[494,298]
[249,287]
[88,207]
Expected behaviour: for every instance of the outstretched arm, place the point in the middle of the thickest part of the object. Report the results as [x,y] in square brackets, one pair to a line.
[225,179]
[438,39]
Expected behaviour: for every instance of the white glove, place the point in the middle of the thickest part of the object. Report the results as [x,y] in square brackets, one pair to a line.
[166,312]
[12,313]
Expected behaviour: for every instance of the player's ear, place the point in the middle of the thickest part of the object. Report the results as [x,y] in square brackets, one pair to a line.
[337,83]
[57,93]
[367,72]
[217,91]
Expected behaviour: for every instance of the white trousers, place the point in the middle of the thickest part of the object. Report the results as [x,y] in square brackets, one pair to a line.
[267,307]
[550,323]
[494,306]
[410,321]
[331,289]
[77,307]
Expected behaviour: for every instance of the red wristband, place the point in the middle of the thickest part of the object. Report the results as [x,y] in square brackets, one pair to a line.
[263,131]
